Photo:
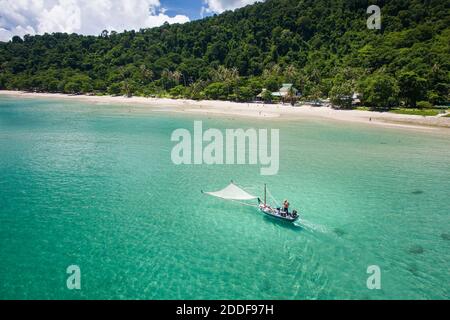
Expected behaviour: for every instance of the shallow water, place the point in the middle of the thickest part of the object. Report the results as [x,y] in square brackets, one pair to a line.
[94,186]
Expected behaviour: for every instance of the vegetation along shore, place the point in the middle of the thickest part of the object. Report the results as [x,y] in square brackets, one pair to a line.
[321,49]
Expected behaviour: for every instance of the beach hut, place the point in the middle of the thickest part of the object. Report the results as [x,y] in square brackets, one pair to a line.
[356,99]
[287,93]
[265,96]
[261,95]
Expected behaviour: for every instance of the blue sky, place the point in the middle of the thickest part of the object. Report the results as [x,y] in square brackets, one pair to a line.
[93,16]
[196,9]
[191,8]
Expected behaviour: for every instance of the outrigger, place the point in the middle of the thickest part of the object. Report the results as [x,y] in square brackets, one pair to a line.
[236,194]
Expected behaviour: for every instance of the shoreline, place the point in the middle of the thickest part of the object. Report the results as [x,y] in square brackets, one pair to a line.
[257,110]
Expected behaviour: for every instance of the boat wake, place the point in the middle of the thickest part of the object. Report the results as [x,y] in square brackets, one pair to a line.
[310,226]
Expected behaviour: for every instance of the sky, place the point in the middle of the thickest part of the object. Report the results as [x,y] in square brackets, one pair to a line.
[91,17]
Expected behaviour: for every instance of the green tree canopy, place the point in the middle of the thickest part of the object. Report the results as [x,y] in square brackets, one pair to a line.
[318,45]
[412,87]
[380,92]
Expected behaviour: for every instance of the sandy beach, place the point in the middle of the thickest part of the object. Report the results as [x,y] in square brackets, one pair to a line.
[258,110]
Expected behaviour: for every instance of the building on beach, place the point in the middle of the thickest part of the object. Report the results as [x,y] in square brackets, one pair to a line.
[287,93]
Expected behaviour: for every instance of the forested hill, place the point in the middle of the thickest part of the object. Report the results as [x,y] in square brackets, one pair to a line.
[322,46]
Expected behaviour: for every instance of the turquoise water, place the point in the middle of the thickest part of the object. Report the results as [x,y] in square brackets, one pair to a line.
[94,186]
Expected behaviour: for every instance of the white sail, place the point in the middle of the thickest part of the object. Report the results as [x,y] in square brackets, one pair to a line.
[232,192]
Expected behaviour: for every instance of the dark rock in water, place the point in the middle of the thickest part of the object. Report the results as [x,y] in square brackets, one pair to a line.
[339,232]
[445,236]
[417,192]
[266,286]
[413,269]
[416,249]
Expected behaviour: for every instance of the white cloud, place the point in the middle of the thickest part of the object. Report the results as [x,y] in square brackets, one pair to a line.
[219,6]
[20,17]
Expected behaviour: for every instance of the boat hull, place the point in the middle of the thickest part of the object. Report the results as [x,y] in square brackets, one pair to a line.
[274,214]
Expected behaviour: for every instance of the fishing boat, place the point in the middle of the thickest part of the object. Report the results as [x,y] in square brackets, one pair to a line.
[236,194]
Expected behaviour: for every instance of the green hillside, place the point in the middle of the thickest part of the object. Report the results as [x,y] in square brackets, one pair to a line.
[323,47]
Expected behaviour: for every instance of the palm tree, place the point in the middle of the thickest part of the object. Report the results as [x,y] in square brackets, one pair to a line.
[223,74]
[275,70]
[165,75]
[303,80]
[146,73]
[292,95]
[126,86]
[315,93]
[196,88]
[176,76]
[291,73]
[233,74]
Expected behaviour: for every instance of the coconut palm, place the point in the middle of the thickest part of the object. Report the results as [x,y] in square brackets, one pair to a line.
[223,74]
[292,95]
[291,73]
[127,88]
[146,73]
[176,76]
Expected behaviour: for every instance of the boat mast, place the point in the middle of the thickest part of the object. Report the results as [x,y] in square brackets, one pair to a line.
[265,194]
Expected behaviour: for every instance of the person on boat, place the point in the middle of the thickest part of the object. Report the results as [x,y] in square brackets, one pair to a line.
[286,207]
